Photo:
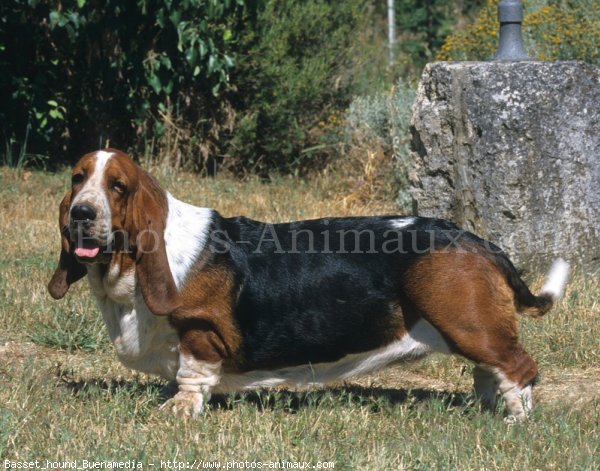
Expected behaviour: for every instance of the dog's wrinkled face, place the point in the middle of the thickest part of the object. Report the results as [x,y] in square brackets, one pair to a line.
[115,213]
[102,183]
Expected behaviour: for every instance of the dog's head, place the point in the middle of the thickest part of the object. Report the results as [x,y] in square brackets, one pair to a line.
[115,212]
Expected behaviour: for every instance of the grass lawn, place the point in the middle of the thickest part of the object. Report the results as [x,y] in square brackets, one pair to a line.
[64,395]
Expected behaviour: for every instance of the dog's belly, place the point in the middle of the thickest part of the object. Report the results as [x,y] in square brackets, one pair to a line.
[422,339]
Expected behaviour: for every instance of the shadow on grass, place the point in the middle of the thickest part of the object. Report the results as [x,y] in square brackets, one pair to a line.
[373,398]
[87,389]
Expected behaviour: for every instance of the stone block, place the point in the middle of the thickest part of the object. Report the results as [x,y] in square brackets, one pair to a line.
[511,151]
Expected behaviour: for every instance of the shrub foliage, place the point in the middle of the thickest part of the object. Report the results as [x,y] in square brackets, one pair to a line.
[241,81]
[298,70]
[423,27]
[553,30]
[78,73]
[245,84]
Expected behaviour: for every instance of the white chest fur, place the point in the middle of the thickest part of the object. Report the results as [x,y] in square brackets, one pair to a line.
[143,341]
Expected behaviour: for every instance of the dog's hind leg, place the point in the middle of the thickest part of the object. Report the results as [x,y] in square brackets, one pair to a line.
[471,304]
[514,378]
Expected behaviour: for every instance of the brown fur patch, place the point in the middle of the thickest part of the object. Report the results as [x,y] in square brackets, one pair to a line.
[402,319]
[86,166]
[465,281]
[207,303]
[469,301]
[121,170]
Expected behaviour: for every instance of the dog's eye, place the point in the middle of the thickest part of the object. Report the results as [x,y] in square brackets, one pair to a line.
[77,178]
[119,187]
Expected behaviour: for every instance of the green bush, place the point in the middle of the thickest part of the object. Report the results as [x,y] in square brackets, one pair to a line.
[299,67]
[239,82]
[244,84]
[422,28]
[76,74]
[383,120]
[553,30]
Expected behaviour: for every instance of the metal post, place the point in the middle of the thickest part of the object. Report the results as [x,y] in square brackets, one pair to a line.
[510,14]
[391,32]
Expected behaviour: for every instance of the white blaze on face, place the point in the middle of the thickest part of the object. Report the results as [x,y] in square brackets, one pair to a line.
[93,194]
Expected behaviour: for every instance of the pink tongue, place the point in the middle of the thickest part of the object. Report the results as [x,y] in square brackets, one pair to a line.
[85,252]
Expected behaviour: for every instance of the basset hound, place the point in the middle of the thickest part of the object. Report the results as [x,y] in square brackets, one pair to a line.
[226,304]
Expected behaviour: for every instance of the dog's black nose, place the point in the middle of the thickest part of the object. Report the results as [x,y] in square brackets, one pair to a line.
[83,212]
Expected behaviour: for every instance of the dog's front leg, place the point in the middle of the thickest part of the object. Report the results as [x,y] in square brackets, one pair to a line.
[199,372]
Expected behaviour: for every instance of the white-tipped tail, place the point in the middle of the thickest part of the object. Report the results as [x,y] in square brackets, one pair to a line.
[556,279]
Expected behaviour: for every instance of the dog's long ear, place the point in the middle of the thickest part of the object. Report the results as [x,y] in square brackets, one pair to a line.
[69,270]
[147,216]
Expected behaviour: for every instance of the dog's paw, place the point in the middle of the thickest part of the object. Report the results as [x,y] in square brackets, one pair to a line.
[185,404]
[511,420]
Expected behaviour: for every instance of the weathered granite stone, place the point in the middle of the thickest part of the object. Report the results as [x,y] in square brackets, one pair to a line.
[511,151]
